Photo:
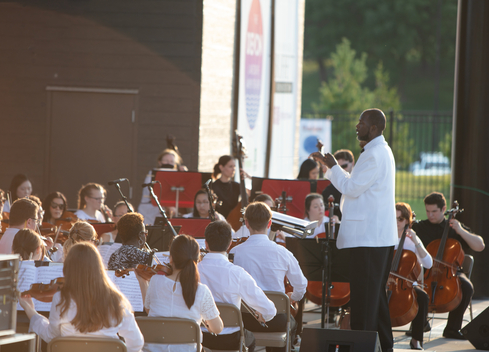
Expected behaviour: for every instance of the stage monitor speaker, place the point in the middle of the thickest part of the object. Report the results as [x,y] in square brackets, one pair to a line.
[328,340]
[477,331]
[9,270]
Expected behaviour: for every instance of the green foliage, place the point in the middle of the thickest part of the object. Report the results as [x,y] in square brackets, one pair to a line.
[445,145]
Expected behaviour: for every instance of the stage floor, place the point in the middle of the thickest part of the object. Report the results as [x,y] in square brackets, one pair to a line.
[432,342]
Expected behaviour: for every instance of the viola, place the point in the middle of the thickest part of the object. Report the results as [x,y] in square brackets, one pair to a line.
[147,271]
[442,281]
[405,269]
[45,292]
[235,216]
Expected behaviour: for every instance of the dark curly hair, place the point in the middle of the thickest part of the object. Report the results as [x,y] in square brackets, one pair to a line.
[129,226]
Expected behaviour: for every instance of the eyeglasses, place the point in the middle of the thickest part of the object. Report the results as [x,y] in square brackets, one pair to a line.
[35,219]
[95,241]
[400,218]
[98,199]
[57,206]
[145,232]
[344,166]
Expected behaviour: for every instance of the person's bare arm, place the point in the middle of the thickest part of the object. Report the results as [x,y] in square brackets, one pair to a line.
[474,241]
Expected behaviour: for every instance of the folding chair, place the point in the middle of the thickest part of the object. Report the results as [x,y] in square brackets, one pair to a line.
[169,331]
[231,318]
[277,339]
[83,344]
[467,267]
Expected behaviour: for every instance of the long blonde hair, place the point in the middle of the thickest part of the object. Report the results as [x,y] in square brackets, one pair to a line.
[99,303]
[79,232]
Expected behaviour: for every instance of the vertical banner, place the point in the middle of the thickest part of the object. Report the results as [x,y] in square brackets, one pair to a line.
[311,131]
[254,82]
[286,74]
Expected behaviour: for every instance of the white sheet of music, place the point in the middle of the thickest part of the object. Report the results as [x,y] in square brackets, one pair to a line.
[129,286]
[106,250]
[29,274]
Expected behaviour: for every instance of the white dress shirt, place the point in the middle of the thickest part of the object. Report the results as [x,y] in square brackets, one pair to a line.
[81,215]
[426,262]
[367,204]
[61,326]
[230,283]
[268,263]
[7,240]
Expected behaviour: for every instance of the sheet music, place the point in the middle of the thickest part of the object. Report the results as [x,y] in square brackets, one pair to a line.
[163,257]
[106,250]
[129,286]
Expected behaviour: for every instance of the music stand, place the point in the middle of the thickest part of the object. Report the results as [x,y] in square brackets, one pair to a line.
[296,192]
[320,185]
[194,227]
[321,260]
[160,236]
[178,188]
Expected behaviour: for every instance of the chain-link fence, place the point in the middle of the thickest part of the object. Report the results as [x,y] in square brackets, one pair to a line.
[421,143]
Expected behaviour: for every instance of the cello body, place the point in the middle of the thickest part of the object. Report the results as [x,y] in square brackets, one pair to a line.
[403,306]
[443,284]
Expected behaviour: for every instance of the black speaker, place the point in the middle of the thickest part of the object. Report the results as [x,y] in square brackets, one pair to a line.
[329,340]
[477,331]
[9,270]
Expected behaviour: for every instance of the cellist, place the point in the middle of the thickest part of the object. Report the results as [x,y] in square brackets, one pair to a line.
[431,229]
[412,243]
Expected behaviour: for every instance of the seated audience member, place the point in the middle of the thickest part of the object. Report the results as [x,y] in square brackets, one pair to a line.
[54,206]
[309,170]
[81,231]
[120,208]
[24,214]
[28,244]
[432,228]
[268,263]
[20,187]
[133,233]
[88,305]
[91,199]
[181,294]
[229,284]
[202,207]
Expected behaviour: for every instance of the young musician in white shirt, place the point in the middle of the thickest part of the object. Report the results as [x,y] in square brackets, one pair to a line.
[230,283]
[268,263]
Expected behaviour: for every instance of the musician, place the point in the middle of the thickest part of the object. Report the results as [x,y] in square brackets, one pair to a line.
[167,159]
[181,294]
[88,305]
[412,243]
[346,160]
[315,212]
[28,244]
[120,208]
[20,187]
[431,229]
[202,207]
[309,170]
[57,256]
[23,214]
[229,284]
[54,205]
[91,199]
[268,263]
[81,231]
[368,226]
[133,233]
[226,190]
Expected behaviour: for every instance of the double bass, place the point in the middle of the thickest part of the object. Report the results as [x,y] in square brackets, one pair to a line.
[405,269]
[235,216]
[442,281]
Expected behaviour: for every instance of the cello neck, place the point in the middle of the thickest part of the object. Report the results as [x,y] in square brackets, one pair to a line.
[400,247]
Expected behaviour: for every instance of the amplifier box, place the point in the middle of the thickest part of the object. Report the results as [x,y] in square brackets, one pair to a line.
[9,270]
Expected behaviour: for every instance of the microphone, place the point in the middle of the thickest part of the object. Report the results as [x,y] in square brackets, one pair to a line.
[208,182]
[119,180]
[149,184]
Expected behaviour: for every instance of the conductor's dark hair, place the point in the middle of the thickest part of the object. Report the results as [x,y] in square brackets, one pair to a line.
[306,167]
[376,118]
[218,235]
[436,198]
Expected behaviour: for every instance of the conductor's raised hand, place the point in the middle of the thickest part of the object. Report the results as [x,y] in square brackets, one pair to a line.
[327,159]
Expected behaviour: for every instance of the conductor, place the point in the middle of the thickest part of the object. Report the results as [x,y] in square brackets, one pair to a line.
[368,225]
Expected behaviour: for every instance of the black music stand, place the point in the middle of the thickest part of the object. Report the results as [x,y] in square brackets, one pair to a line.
[160,236]
[321,260]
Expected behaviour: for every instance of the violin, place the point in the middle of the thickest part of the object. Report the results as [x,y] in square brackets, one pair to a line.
[235,216]
[405,269]
[441,279]
[45,292]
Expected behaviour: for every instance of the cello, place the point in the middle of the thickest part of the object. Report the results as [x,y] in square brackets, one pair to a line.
[405,269]
[442,281]
[235,216]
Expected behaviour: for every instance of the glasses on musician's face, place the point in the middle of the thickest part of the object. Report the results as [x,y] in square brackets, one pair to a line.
[344,166]
[57,206]
[145,232]
[400,219]
[37,220]
[98,199]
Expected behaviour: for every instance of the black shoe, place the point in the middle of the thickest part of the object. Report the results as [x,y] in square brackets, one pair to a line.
[413,347]
[453,334]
